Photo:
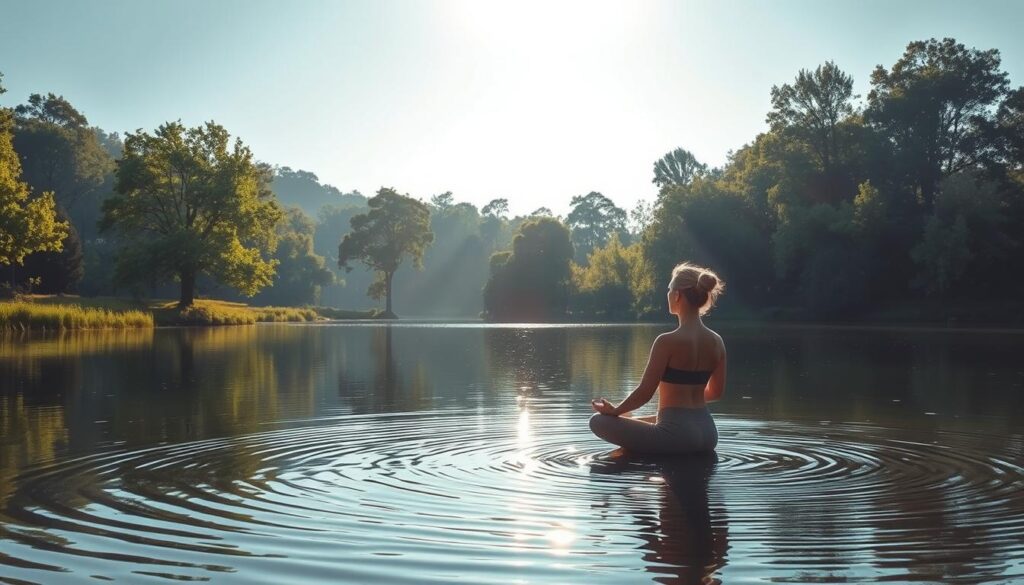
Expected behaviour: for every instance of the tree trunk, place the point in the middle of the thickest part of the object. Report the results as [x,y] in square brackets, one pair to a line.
[387,289]
[188,288]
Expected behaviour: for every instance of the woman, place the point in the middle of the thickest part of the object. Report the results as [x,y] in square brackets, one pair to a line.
[687,365]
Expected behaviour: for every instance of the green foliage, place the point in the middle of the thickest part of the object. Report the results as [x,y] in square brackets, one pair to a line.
[677,168]
[936,105]
[26,224]
[59,152]
[496,207]
[395,227]
[813,107]
[301,272]
[966,240]
[710,224]
[443,201]
[58,272]
[604,288]
[942,254]
[221,313]
[594,219]
[190,202]
[531,283]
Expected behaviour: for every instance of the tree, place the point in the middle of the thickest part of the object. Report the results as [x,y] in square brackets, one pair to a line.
[542,212]
[678,167]
[443,201]
[604,286]
[59,152]
[814,106]
[58,272]
[496,207]
[301,272]
[966,240]
[531,283]
[593,219]
[396,226]
[26,224]
[935,105]
[1009,130]
[189,202]
[640,217]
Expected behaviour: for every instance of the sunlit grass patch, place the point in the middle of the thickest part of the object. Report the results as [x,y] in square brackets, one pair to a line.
[166,312]
[210,312]
[23,316]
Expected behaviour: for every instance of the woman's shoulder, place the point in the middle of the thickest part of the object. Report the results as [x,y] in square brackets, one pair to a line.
[719,342]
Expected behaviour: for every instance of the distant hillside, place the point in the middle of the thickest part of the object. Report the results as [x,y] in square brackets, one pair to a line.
[303,189]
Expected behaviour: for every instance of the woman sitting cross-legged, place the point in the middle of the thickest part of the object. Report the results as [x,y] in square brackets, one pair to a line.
[686,366]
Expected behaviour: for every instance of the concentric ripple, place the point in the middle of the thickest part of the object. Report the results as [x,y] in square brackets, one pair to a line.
[498,496]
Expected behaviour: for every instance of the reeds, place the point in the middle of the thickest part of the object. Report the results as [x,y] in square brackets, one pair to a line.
[24,316]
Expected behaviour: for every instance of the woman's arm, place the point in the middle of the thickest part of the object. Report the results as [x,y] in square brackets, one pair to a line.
[649,382]
[716,384]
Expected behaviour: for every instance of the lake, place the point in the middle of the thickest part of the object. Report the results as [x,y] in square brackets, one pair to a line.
[419,452]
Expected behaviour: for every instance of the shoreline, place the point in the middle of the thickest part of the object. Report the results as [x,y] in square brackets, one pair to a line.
[64,313]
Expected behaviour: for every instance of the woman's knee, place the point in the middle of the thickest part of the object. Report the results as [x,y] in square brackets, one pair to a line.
[599,423]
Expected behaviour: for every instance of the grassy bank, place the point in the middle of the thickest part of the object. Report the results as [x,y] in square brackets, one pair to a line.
[23,316]
[49,313]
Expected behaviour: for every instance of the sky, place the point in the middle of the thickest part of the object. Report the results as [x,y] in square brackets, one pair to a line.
[535,101]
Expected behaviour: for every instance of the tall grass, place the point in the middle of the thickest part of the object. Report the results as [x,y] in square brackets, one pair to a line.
[47,312]
[23,316]
[208,312]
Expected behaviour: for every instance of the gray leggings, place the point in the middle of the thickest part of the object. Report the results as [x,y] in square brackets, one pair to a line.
[678,430]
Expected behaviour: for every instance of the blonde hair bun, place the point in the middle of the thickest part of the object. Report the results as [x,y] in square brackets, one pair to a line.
[701,287]
[707,281]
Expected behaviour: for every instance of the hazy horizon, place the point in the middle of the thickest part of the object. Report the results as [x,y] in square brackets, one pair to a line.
[528,101]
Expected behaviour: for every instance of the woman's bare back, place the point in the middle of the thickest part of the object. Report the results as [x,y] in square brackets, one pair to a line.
[694,349]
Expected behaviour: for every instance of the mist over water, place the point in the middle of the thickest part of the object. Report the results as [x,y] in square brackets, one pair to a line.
[412,453]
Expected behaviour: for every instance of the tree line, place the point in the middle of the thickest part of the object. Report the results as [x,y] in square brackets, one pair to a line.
[843,207]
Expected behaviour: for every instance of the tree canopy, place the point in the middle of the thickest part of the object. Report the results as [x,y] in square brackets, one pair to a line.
[26,224]
[191,202]
[678,167]
[531,282]
[814,105]
[594,219]
[395,227]
[935,105]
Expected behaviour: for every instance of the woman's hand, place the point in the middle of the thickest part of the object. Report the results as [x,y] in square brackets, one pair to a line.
[603,406]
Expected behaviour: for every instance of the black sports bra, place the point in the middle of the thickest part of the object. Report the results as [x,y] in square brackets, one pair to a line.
[674,376]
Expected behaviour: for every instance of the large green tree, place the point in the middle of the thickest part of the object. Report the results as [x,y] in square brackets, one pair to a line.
[531,282]
[936,105]
[190,202]
[27,224]
[678,167]
[813,106]
[59,151]
[396,226]
[593,220]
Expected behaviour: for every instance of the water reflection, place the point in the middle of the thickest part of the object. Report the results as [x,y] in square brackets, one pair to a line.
[465,450]
[684,539]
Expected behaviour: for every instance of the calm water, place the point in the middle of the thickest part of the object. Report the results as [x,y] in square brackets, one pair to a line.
[423,453]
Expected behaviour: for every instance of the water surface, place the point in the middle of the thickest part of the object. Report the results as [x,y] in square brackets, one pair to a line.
[415,453]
